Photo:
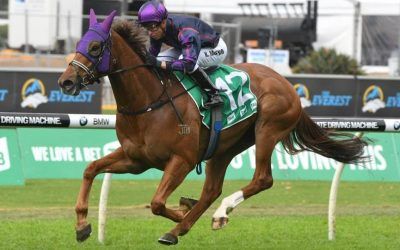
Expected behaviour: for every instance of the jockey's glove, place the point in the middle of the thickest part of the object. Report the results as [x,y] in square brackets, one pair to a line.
[152,60]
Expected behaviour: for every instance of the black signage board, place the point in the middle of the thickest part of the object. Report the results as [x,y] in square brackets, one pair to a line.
[353,124]
[7,90]
[34,120]
[38,92]
[326,97]
[378,98]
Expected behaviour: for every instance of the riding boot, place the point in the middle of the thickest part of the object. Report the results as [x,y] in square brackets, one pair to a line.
[202,79]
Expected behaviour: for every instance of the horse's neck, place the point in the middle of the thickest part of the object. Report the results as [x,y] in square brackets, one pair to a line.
[136,88]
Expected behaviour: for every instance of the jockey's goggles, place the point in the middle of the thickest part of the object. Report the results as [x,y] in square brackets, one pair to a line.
[151,26]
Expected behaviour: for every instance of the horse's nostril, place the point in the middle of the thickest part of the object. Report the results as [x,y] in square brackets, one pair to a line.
[67,83]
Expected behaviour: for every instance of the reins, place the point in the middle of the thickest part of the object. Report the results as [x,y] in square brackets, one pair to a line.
[158,103]
[184,128]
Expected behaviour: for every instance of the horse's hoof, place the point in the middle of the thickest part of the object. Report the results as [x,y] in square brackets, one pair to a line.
[189,203]
[84,233]
[218,223]
[168,239]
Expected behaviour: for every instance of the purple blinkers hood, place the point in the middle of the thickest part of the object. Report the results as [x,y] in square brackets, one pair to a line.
[97,32]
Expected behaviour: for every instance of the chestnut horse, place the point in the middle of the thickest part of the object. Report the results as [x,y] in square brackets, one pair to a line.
[150,134]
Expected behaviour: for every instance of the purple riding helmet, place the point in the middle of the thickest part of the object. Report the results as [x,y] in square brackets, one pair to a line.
[152,12]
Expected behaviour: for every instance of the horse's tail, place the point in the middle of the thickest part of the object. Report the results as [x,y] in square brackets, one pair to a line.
[307,135]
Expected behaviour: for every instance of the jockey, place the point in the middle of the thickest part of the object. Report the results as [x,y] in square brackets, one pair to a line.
[195,45]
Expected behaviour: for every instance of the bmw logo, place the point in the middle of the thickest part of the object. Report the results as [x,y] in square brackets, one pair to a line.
[396,125]
[83,121]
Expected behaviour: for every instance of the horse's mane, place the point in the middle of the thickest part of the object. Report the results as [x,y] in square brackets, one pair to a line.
[133,35]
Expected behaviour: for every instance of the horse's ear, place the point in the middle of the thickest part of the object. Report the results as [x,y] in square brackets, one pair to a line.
[92,18]
[106,24]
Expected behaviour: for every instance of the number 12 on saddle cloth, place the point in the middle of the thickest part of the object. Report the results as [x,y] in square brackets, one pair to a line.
[239,102]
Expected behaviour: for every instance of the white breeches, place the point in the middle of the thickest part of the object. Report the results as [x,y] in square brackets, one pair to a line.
[208,57]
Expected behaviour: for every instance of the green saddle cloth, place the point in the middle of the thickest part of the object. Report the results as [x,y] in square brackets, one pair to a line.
[239,102]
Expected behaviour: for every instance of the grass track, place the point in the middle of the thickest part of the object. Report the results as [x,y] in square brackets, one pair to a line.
[291,215]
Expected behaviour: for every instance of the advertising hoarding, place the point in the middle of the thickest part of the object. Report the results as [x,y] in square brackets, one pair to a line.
[64,153]
[10,164]
[348,96]
[38,92]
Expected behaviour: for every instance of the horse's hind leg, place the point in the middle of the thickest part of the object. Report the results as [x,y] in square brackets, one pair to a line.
[116,162]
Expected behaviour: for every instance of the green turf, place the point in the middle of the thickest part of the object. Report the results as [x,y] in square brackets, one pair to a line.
[108,112]
[292,215]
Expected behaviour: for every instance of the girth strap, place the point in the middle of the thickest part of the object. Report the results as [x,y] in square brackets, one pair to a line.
[215,131]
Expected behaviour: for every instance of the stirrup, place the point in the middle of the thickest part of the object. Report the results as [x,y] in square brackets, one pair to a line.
[213,101]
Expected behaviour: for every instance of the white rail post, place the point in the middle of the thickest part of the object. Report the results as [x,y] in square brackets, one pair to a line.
[333,196]
[105,187]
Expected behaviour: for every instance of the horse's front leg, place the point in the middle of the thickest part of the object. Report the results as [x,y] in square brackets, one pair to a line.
[174,173]
[116,162]
[212,188]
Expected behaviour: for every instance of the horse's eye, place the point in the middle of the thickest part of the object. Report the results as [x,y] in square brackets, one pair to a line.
[94,48]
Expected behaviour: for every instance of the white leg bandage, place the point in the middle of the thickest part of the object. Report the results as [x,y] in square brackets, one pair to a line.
[228,204]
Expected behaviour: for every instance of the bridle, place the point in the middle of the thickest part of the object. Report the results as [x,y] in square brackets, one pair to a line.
[92,75]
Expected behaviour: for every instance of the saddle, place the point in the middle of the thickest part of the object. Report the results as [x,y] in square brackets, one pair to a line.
[239,102]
